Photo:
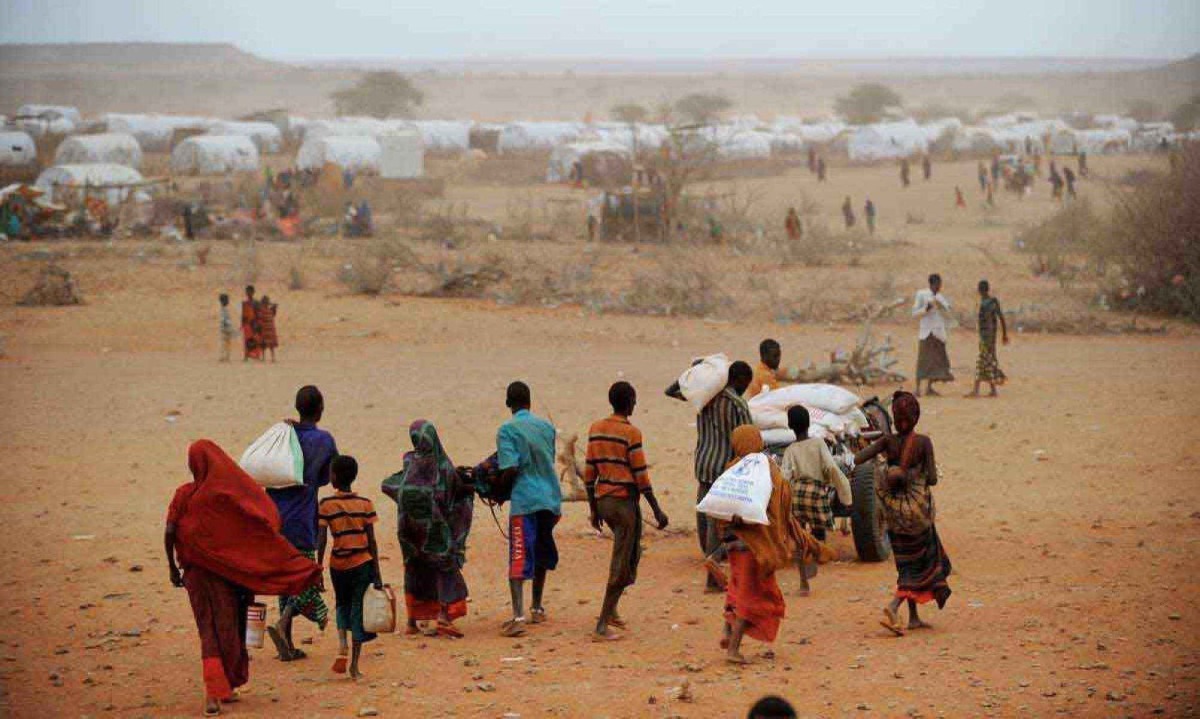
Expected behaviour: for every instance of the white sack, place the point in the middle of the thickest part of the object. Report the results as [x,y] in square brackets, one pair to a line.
[828,397]
[744,490]
[274,460]
[702,382]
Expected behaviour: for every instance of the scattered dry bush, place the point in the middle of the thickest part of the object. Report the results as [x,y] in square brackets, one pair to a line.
[509,168]
[1061,242]
[1153,242]
[371,266]
[681,283]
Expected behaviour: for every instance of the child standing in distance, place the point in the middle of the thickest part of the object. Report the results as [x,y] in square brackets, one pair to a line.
[354,560]
[266,322]
[226,327]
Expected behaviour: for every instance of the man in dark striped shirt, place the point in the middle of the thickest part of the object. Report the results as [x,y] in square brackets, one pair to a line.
[714,425]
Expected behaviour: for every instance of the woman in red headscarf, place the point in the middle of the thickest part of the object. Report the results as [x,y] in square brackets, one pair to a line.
[904,494]
[224,529]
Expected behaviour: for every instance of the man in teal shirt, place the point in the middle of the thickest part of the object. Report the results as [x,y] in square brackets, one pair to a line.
[525,451]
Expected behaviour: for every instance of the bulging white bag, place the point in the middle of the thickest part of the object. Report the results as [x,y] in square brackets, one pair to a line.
[703,381]
[827,397]
[743,490]
[274,460]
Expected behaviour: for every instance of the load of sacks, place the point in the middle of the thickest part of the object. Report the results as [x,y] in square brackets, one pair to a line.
[833,411]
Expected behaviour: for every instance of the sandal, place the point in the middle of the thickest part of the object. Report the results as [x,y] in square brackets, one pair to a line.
[212,710]
[340,664]
[446,629]
[617,622]
[537,616]
[607,636]
[891,622]
[513,628]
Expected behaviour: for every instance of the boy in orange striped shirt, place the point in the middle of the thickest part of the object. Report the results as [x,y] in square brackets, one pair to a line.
[354,560]
[616,478]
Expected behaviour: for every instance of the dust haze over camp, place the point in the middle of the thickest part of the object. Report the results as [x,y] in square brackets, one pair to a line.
[532,266]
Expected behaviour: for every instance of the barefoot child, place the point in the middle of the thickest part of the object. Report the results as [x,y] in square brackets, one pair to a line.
[809,468]
[354,560]
[616,478]
[226,327]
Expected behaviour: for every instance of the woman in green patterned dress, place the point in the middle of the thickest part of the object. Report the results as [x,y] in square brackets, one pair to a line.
[987,367]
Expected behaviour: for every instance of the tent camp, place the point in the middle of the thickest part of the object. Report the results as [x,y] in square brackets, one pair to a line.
[266,136]
[356,153]
[154,132]
[17,150]
[402,155]
[444,135]
[519,136]
[110,148]
[69,113]
[214,155]
[603,163]
[113,183]
[886,141]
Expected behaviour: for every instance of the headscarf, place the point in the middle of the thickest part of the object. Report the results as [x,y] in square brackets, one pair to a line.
[229,526]
[771,544]
[906,412]
[434,509]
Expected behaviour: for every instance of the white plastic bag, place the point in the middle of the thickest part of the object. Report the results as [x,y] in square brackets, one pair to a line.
[744,490]
[379,610]
[274,460]
[701,382]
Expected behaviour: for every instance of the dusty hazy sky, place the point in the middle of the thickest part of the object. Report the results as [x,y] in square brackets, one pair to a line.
[634,29]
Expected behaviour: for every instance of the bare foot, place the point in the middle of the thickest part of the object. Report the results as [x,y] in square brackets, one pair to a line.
[617,621]
[355,674]
[803,592]
[918,624]
[736,658]
[933,392]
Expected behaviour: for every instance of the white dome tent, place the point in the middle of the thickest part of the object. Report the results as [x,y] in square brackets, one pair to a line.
[113,183]
[520,136]
[358,153]
[266,136]
[67,112]
[402,155]
[444,135]
[109,148]
[17,149]
[606,158]
[214,155]
[154,132]
[887,141]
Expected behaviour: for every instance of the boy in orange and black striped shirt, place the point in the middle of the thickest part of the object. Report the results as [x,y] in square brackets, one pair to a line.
[354,560]
[616,478]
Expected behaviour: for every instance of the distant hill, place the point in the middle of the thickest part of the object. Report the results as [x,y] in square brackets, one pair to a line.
[220,79]
[106,58]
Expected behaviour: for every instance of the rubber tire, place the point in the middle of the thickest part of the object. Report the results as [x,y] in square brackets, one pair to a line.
[870,538]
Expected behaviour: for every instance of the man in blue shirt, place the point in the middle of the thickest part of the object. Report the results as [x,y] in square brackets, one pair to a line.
[525,451]
[298,516]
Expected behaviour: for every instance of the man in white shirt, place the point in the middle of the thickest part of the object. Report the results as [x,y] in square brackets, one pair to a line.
[933,364]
